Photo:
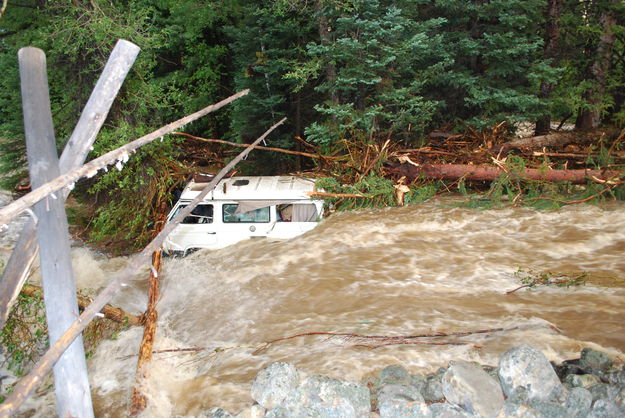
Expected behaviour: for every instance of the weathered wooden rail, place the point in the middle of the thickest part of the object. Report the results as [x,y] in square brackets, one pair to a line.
[73,156]
[71,383]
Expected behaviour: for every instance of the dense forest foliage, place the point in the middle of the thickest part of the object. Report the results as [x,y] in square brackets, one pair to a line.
[342,71]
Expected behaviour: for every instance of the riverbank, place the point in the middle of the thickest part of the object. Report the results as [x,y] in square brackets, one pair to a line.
[524,384]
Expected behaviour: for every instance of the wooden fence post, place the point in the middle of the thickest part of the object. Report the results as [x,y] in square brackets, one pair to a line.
[73,156]
[71,382]
[27,384]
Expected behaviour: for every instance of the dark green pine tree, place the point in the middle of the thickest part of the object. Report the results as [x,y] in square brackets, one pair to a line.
[376,62]
[497,48]
[268,41]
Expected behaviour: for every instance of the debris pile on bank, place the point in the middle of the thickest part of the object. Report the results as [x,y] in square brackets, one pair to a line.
[524,384]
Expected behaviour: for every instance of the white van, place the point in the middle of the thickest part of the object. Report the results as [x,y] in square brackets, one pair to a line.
[244,207]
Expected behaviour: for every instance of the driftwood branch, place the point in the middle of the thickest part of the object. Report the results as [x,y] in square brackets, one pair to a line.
[91,168]
[26,385]
[338,195]
[110,312]
[558,139]
[376,341]
[259,147]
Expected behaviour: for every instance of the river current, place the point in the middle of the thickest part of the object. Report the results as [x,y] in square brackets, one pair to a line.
[419,269]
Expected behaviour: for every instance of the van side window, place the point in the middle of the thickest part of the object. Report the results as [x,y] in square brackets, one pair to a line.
[260,215]
[201,214]
[305,212]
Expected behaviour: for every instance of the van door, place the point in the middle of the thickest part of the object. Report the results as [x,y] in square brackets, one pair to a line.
[239,226]
[195,231]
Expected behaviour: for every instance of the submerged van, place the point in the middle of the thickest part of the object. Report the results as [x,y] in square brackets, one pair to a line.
[240,208]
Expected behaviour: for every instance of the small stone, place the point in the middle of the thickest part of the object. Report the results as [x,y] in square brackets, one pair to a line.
[400,393]
[394,374]
[549,409]
[578,402]
[401,401]
[515,410]
[219,413]
[519,395]
[393,409]
[418,381]
[603,391]
[279,412]
[605,409]
[273,383]
[447,410]
[471,388]
[254,411]
[594,361]
[526,366]
[433,389]
[619,399]
[615,378]
[582,380]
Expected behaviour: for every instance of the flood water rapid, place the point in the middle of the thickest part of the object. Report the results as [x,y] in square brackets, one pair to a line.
[396,271]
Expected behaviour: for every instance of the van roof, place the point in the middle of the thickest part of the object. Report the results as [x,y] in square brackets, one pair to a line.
[253,188]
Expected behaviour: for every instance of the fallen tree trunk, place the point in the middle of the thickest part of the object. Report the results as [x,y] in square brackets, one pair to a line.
[109,312]
[558,139]
[486,173]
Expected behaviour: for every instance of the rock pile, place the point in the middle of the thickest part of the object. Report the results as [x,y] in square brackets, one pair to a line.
[524,385]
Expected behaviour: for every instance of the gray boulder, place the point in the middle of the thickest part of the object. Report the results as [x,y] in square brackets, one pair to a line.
[582,380]
[526,366]
[396,401]
[322,396]
[273,383]
[471,388]
[593,361]
[578,402]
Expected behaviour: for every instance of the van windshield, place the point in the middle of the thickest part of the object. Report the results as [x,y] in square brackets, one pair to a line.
[201,214]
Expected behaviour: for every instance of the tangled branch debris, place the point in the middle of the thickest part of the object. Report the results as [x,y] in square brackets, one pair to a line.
[530,278]
[359,340]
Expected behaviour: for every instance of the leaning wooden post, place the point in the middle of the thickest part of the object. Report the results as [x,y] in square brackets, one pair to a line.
[71,382]
[139,401]
[73,156]
[23,389]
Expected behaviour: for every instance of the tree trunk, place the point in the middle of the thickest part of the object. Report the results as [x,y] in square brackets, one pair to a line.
[552,35]
[487,173]
[590,116]
[326,37]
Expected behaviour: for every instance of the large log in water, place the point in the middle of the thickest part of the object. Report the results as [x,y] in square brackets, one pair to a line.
[489,173]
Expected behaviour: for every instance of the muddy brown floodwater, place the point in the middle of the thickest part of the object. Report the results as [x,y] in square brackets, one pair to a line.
[397,271]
